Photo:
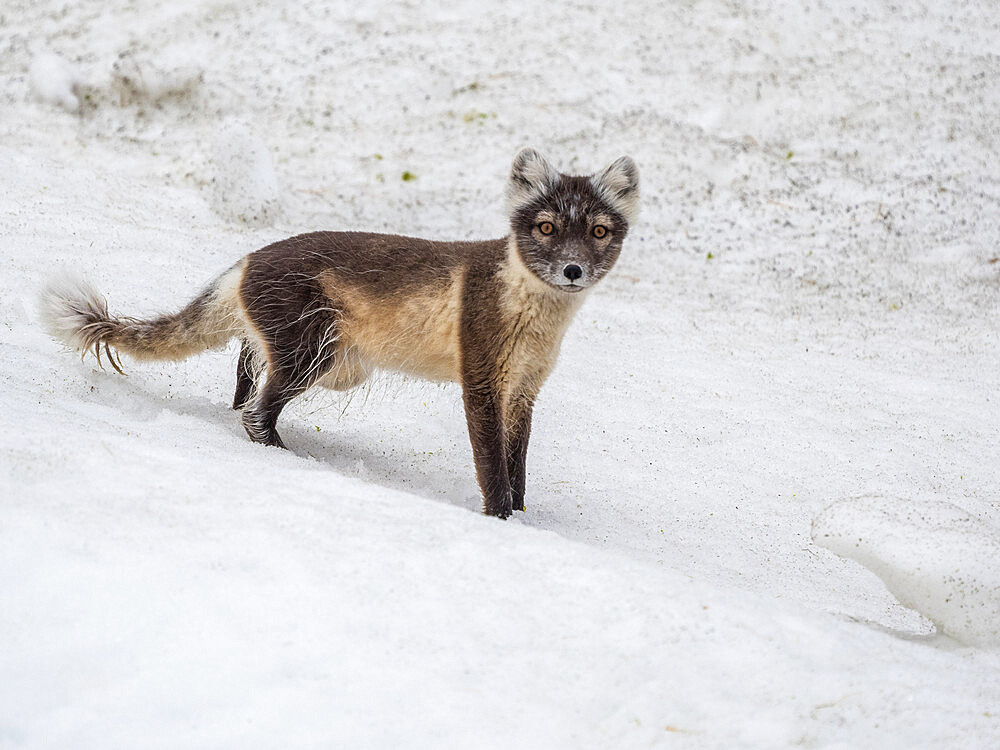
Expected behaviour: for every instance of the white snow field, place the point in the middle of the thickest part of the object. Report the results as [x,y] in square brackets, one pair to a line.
[805,314]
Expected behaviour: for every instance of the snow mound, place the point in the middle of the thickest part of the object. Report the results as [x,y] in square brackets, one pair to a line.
[245,188]
[932,556]
[55,80]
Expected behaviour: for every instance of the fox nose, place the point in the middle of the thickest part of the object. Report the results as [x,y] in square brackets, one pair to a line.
[572,272]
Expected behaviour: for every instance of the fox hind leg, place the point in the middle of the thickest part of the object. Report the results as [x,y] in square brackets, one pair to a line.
[284,382]
[299,353]
[247,371]
[260,418]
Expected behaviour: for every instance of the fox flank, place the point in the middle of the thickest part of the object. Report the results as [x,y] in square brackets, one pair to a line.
[330,308]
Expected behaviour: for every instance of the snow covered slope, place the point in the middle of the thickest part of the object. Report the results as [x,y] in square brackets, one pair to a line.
[805,312]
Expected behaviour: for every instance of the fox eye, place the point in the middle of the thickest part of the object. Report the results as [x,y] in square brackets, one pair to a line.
[546,228]
[599,231]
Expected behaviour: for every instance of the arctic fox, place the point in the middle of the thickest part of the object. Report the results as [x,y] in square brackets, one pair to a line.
[329,308]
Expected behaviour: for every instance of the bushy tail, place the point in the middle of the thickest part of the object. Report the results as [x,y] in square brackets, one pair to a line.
[77,314]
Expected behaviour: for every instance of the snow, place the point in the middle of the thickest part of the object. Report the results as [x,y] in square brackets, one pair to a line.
[54,80]
[245,186]
[804,314]
[933,557]
[137,79]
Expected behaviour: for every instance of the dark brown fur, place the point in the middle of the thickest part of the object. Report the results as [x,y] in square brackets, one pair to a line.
[284,300]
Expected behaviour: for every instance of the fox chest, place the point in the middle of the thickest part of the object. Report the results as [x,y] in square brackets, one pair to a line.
[532,346]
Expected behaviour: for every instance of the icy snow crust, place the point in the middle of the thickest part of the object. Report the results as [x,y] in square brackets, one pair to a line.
[933,556]
[806,311]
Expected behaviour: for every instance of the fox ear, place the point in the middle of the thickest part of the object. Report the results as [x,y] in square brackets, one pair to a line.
[531,177]
[618,186]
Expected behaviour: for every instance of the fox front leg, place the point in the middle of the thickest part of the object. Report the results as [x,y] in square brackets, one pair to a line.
[486,432]
[518,430]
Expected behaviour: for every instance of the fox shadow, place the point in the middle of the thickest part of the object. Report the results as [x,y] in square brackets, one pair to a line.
[361,453]
[374,450]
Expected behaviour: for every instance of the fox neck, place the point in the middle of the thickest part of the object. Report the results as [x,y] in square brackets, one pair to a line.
[537,314]
[527,289]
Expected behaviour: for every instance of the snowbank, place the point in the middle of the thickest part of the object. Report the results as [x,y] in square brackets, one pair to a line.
[55,80]
[932,556]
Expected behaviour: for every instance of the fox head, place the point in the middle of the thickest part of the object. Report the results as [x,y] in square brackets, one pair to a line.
[568,230]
